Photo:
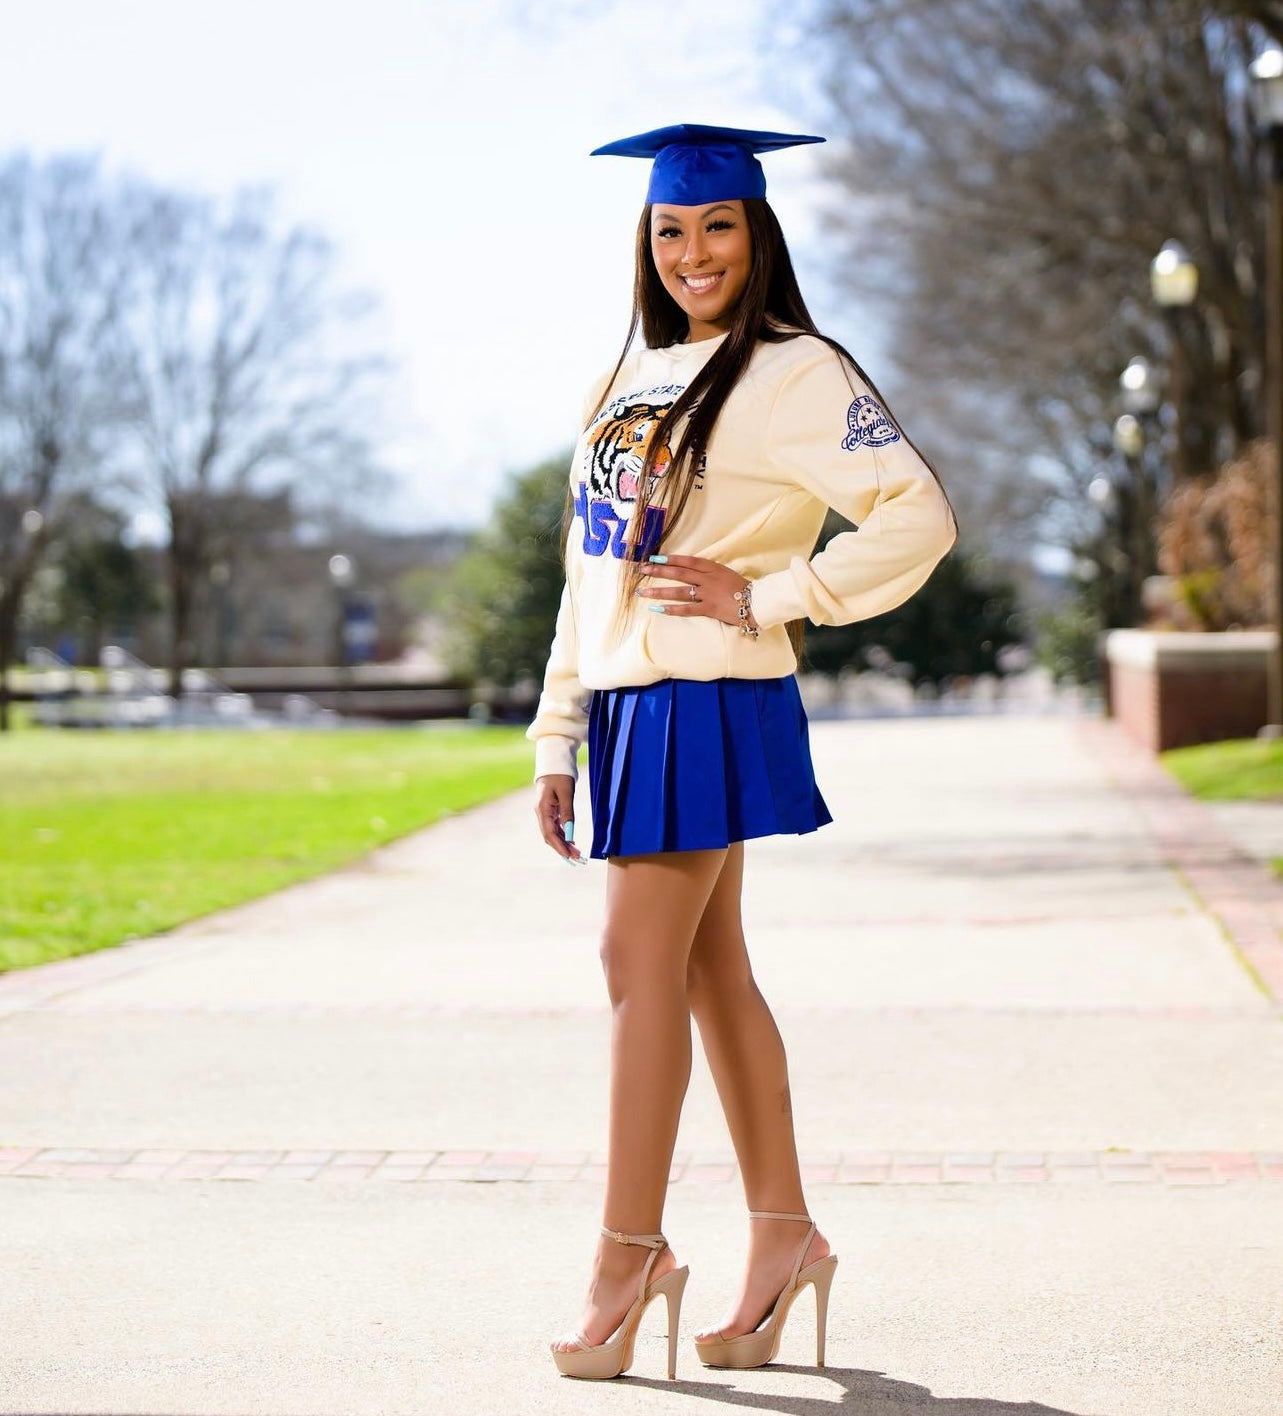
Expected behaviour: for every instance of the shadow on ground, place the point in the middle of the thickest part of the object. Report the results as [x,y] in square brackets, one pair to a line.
[863,1393]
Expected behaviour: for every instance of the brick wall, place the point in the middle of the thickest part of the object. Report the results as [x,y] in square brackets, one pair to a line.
[1174,690]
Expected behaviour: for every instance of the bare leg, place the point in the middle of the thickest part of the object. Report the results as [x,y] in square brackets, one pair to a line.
[653,905]
[746,1057]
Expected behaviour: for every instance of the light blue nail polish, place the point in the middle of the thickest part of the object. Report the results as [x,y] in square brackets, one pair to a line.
[659,560]
[568,830]
[656,609]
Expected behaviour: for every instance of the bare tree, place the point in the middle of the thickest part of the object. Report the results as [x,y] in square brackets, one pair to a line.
[251,373]
[59,281]
[1266,13]
[1007,170]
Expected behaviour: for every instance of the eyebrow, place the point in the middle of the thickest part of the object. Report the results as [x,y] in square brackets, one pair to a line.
[668,215]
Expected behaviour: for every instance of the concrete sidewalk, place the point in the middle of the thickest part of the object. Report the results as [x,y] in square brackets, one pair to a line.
[338,1150]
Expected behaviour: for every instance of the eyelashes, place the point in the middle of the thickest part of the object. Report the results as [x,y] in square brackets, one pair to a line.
[717,224]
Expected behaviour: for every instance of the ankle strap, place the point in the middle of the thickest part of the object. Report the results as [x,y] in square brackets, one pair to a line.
[649,1241]
[806,1242]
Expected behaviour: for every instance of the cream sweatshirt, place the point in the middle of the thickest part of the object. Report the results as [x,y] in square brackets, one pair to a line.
[799,433]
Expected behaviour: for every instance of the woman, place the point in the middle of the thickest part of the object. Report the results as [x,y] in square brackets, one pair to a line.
[707,462]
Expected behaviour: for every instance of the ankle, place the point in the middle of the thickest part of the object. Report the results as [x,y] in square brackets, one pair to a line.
[771,1238]
[618,1261]
[772,1231]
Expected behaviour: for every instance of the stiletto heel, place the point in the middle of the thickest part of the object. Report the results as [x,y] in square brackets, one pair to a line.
[673,1293]
[822,1272]
[757,1348]
[613,1357]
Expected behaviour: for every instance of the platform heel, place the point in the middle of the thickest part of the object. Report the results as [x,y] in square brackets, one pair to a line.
[757,1348]
[614,1357]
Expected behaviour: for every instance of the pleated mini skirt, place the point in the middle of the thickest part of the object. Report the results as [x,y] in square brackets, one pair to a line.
[687,765]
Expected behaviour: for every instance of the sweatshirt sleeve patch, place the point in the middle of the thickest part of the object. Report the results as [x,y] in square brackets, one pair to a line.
[868,425]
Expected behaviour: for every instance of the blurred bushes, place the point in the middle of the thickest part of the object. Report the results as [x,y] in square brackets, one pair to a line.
[1216,539]
[501,607]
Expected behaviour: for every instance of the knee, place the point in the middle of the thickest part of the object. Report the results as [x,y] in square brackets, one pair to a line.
[712,980]
[633,966]
[613,956]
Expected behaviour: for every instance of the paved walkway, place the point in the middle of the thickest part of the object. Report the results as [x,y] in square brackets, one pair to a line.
[1032,997]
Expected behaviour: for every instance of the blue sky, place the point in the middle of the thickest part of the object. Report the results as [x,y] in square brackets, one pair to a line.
[444,148]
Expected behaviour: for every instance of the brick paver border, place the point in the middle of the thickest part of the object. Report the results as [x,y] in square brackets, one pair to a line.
[1167,1168]
[1244,897]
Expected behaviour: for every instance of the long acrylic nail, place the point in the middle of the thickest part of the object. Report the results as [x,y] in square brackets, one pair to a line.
[659,560]
[568,830]
[656,609]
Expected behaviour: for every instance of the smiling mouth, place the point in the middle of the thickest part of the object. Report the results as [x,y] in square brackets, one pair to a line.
[701,284]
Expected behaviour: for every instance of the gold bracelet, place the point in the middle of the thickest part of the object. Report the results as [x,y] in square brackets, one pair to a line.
[744,598]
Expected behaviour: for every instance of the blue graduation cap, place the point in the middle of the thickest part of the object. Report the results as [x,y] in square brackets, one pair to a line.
[695,164]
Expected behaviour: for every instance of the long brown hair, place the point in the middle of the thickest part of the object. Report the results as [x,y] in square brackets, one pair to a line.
[770,309]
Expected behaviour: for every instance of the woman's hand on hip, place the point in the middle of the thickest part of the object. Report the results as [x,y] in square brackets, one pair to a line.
[554,810]
[706,588]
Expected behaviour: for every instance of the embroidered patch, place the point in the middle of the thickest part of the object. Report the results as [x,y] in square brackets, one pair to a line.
[869,425]
[610,471]
[606,529]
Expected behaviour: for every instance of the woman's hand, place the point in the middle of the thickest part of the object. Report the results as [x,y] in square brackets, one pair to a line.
[554,809]
[707,588]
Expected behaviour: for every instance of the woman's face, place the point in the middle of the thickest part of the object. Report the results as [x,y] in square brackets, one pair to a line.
[703,255]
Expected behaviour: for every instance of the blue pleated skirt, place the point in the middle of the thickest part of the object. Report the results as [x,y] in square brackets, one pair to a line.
[687,765]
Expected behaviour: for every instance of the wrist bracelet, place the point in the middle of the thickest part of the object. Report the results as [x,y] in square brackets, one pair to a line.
[744,598]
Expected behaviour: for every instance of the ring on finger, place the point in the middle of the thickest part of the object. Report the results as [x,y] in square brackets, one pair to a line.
[694,593]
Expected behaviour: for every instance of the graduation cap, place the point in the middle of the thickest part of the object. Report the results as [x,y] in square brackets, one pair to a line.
[695,163]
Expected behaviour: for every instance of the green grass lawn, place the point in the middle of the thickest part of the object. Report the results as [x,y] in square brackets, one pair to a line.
[106,836]
[1246,769]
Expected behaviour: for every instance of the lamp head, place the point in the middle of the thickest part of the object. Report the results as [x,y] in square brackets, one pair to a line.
[1173,277]
[1266,71]
[1139,386]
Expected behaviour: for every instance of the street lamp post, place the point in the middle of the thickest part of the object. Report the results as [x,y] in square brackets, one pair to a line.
[1140,393]
[1267,95]
[1114,505]
[1173,282]
[1136,528]
[220,579]
[342,574]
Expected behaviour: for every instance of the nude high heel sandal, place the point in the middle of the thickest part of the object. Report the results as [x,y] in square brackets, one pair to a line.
[757,1348]
[613,1357]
